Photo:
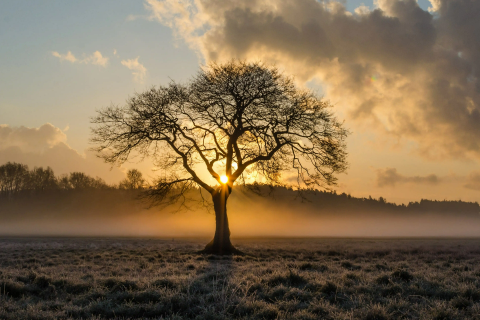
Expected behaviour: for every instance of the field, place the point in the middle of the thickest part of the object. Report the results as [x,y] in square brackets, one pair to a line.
[86,278]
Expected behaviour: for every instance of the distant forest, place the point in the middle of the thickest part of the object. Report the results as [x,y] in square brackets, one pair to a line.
[17,179]
[18,182]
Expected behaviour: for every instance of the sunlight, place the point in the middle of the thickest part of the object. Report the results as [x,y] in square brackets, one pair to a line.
[224,179]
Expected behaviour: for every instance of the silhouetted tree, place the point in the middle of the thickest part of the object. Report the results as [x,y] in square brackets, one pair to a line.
[247,121]
[133,181]
[42,179]
[81,181]
[64,182]
[14,177]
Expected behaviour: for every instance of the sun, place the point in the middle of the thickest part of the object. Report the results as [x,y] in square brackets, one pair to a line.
[224,179]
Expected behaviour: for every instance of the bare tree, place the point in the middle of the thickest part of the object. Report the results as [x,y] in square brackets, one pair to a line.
[43,179]
[14,178]
[237,122]
[81,181]
[133,181]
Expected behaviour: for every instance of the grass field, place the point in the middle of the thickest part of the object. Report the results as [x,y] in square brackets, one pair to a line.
[62,278]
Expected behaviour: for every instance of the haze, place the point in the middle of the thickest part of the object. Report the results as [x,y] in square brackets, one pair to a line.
[272,214]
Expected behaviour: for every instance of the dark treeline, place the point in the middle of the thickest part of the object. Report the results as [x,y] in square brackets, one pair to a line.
[18,181]
[424,205]
[330,201]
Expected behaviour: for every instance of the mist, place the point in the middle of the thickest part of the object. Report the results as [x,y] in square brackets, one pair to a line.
[281,213]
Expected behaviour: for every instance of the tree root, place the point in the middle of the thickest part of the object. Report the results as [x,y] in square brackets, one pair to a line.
[221,251]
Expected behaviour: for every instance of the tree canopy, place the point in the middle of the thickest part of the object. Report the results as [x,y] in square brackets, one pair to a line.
[244,120]
[133,181]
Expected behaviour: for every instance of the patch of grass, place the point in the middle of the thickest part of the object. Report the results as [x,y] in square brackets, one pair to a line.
[329,288]
[374,313]
[307,266]
[381,267]
[461,303]
[116,285]
[392,291]
[290,279]
[164,283]
[402,275]
[12,289]
[384,280]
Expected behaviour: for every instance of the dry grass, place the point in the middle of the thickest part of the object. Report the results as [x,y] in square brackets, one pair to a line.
[279,279]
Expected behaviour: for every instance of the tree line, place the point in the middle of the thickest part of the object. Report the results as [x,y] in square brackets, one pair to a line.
[422,205]
[329,200]
[17,179]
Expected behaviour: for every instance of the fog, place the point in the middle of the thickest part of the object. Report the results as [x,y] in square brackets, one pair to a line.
[280,214]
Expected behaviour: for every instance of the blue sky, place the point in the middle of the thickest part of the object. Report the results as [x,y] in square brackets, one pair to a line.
[37,88]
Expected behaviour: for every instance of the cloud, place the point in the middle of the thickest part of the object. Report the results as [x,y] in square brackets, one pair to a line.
[133,17]
[184,17]
[69,56]
[362,10]
[396,70]
[31,139]
[138,70]
[473,181]
[435,5]
[47,146]
[390,177]
[95,58]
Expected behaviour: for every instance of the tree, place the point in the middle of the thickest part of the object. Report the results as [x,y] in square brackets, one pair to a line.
[13,178]
[240,122]
[81,181]
[133,181]
[43,179]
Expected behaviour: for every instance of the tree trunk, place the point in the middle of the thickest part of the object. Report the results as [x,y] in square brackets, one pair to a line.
[221,244]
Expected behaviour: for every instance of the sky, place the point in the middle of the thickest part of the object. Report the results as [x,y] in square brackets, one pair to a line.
[403,75]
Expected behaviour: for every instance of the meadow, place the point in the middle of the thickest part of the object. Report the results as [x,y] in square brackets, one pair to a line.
[135,278]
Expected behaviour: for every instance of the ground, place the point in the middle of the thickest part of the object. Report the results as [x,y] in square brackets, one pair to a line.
[63,278]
